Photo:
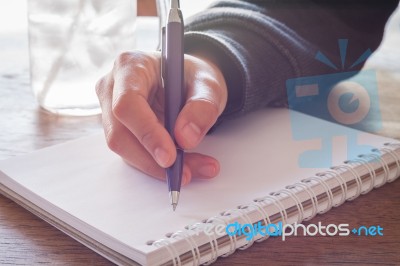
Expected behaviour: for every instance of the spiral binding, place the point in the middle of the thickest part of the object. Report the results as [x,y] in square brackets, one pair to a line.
[372,175]
[277,204]
[340,180]
[291,192]
[326,190]
[296,199]
[397,160]
[244,216]
[384,165]
[171,250]
[357,178]
[313,198]
[264,216]
[232,239]
[192,243]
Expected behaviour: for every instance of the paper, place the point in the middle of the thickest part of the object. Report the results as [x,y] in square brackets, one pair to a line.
[88,181]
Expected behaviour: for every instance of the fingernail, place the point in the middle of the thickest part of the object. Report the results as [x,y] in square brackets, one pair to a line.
[208,170]
[162,157]
[191,132]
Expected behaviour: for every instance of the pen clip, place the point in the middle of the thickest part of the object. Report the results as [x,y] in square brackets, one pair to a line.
[175,4]
[163,56]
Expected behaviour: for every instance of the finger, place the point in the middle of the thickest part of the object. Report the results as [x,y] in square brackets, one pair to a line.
[120,139]
[133,111]
[194,121]
[201,166]
[133,85]
[125,144]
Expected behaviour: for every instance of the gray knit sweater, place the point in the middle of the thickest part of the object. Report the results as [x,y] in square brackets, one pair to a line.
[258,45]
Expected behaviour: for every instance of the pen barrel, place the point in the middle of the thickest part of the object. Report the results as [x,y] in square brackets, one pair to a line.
[174,87]
[173,68]
[174,173]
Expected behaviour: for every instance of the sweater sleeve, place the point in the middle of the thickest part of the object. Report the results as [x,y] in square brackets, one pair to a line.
[258,45]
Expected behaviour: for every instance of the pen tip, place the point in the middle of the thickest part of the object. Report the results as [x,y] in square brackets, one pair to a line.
[174,195]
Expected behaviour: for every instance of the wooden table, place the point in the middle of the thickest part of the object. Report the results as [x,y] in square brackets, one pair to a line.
[27,240]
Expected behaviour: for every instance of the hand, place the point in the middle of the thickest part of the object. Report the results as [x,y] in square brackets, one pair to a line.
[132,101]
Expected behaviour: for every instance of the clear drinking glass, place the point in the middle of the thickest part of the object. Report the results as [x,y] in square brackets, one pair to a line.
[72,44]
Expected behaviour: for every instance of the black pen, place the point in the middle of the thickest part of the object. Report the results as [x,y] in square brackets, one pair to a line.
[172,76]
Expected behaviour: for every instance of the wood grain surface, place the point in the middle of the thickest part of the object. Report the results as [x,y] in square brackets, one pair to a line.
[27,240]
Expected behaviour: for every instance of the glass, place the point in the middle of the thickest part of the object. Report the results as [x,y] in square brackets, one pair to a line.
[72,44]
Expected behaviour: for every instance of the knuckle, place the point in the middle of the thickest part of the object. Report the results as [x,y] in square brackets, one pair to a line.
[136,70]
[123,59]
[143,65]
[144,74]
[140,70]
[137,58]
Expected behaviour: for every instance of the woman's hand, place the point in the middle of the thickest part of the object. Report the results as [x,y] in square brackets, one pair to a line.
[132,101]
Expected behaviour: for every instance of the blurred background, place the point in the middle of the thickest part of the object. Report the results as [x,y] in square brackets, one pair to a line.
[23,122]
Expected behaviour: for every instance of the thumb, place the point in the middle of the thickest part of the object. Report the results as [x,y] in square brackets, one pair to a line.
[206,97]
[194,121]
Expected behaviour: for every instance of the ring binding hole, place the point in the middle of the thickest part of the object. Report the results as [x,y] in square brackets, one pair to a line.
[168,235]
[150,242]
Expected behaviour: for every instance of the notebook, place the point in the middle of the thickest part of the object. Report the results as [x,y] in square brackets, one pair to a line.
[88,192]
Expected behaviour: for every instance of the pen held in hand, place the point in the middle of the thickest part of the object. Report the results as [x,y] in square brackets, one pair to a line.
[172,69]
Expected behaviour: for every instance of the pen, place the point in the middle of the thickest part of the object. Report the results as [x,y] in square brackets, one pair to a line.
[172,78]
